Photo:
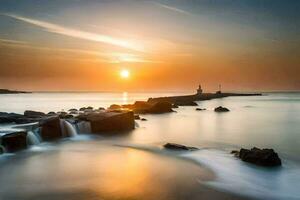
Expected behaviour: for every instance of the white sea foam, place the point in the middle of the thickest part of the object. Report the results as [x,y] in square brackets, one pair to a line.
[246,179]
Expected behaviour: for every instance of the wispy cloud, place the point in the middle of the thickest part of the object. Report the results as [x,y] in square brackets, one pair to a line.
[15,42]
[178,10]
[54,28]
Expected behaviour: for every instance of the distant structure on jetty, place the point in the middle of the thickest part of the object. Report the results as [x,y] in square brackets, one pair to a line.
[199,96]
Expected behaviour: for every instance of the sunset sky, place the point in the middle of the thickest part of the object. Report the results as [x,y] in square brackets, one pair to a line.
[167,45]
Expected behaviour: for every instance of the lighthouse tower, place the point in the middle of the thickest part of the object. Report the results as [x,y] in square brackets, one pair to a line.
[199,90]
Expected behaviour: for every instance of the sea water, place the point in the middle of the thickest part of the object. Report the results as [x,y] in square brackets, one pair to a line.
[268,121]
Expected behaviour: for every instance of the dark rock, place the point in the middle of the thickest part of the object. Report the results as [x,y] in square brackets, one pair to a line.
[51,113]
[161,107]
[16,118]
[185,103]
[262,157]
[143,119]
[174,146]
[34,114]
[51,129]
[200,109]
[73,110]
[101,108]
[15,141]
[109,121]
[221,109]
[114,107]
[82,109]
[90,108]
[137,117]
[65,116]
[175,106]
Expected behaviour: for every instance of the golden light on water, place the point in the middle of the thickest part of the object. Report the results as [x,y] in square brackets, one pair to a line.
[124,73]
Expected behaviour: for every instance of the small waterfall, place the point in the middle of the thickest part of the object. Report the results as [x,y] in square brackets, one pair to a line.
[83,127]
[70,130]
[32,139]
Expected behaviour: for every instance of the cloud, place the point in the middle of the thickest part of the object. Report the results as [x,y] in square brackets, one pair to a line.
[13,42]
[54,28]
[171,8]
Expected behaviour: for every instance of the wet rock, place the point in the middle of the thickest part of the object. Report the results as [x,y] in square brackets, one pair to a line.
[262,157]
[200,109]
[175,106]
[174,146]
[109,121]
[51,129]
[221,109]
[34,114]
[66,116]
[185,103]
[9,117]
[73,110]
[114,107]
[82,109]
[143,119]
[14,141]
[137,117]
[89,108]
[101,108]
[51,113]
[161,107]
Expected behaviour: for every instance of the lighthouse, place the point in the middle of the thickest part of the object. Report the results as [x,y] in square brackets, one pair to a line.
[199,90]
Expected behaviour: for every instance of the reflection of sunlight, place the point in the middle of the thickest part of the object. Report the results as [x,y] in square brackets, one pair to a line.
[125,98]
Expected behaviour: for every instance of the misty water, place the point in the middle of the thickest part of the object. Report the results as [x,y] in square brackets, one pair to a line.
[135,166]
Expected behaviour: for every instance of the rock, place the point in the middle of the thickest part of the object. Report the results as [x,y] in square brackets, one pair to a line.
[200,109]
[109,121]
[137,117]
[15,141]
[51,113]
[101,108]
[90,108]
[114,107]
[16,118]
[174,146]
[1,149]
[34,114]
[73,110]
[143,119]
[82,109]
[160,107]
[185,103]
[65,116]
[175,106]
[51,129]
[221,109]
[262,157]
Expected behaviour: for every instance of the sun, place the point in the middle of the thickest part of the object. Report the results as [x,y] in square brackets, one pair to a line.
[124,73]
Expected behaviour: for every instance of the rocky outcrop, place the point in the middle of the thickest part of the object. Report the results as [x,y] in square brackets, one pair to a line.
[221,109]
[160,107]
[174,146]
[51,129]
[109,121]
[262,157]
[114,107]
[33,114]
[14,141]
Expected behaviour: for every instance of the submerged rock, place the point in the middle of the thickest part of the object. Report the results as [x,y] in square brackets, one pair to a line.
[200,109]
[262,157]
[73,110]
[51,129]
[143,119]
[174,146]
[221,109]
[14,141]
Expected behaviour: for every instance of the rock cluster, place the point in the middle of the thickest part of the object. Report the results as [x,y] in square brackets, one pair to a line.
[221,109]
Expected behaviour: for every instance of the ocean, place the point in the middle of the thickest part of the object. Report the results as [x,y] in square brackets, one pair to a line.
[115,166]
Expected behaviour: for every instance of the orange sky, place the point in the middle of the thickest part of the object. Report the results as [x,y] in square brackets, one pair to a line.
[166,46]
